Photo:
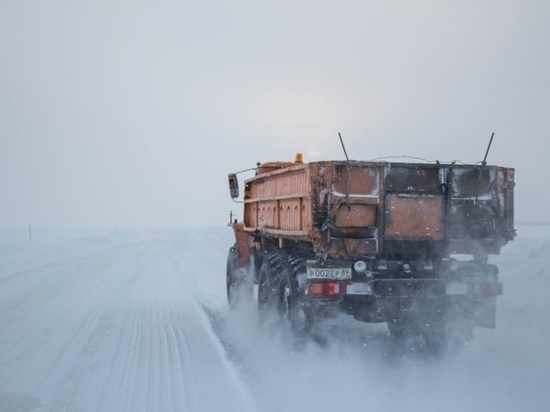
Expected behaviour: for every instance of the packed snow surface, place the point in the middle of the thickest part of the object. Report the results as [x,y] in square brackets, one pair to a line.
[139,322]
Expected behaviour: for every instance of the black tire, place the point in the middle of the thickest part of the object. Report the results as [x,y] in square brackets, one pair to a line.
[402,328]
[435,336]
[270,272]
[444,335]
[291,309]
[279,295]
[239,287]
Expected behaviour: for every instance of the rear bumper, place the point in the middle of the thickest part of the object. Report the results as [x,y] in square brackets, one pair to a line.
[380,300]
[434,288]
[429,288]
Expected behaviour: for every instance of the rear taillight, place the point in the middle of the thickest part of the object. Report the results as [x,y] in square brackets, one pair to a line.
[485,289]
[477,289]
[326,288]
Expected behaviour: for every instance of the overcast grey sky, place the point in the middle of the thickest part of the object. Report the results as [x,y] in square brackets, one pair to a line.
[131,113]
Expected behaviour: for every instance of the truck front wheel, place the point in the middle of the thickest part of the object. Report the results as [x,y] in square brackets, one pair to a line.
[239,286]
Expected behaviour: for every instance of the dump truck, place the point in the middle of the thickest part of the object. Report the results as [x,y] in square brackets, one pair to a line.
[402,243]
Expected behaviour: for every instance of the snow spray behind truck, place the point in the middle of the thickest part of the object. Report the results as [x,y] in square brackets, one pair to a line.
[401,243]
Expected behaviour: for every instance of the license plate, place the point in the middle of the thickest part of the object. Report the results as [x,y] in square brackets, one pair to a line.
[329,273]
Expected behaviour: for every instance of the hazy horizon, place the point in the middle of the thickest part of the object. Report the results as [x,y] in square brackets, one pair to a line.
[131,114]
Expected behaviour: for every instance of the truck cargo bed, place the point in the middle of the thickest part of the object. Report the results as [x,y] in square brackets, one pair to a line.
[379,208]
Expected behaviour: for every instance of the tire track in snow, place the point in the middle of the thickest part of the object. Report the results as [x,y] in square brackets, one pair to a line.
[40,332]
[87,349]
[163,340]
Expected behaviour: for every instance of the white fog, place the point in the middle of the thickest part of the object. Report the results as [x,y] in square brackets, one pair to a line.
[119,123]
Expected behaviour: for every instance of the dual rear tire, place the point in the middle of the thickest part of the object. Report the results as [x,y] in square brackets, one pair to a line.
[440,334]
[280,297]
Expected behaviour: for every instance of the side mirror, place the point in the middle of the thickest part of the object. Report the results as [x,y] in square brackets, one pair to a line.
[233,185]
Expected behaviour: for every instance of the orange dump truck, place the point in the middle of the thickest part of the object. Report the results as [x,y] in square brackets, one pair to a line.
[401,243]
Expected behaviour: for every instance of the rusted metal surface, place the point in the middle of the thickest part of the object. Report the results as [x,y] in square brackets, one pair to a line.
[279,199]
[418,217]
[241,244]
[359,207]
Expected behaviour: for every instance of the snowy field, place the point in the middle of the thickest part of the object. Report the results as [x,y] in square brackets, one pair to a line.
[139,322]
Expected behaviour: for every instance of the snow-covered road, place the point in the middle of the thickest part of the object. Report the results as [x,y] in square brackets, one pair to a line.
[139,322]
[114,323]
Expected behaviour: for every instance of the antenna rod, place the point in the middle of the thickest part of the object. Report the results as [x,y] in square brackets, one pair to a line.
[343,147]
[487,152]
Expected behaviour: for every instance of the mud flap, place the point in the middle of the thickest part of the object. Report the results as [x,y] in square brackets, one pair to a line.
[484,315]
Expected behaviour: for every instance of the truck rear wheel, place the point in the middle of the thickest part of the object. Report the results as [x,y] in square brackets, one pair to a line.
[272,266]
[445,335]
[403,327]
[290,299]
[279,293]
